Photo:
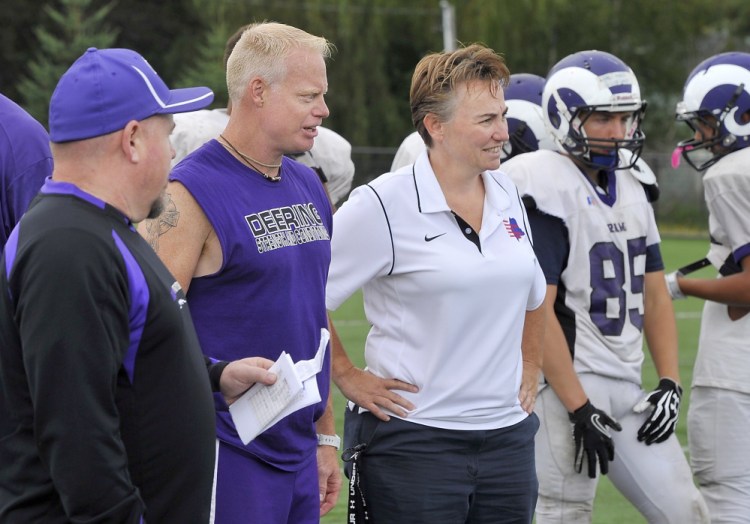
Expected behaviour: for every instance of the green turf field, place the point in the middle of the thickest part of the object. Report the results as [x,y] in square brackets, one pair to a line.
[610,507]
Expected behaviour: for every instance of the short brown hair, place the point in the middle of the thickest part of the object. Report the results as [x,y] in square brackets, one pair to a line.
[437,75]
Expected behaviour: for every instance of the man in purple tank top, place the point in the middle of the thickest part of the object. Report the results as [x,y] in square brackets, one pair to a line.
[246,232]
[25,161]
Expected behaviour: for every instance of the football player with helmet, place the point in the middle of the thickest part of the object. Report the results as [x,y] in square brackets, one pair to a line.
[523,98]
[597,241]
[716,106]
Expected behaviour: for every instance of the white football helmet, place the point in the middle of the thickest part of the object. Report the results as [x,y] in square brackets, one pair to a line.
[523,97]
[590,81]
[716,96]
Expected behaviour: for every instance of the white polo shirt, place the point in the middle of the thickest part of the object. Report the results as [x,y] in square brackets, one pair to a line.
[445,315]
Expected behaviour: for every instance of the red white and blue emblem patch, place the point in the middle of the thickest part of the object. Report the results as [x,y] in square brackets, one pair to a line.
[513,229]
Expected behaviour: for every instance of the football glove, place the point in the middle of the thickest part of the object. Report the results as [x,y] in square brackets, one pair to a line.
[665,401]
[672,286]
[592,439]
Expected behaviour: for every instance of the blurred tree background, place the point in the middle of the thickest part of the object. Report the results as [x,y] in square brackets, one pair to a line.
[378,43]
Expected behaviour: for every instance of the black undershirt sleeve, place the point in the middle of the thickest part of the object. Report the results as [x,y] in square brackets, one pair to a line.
[215,369]
[550,243]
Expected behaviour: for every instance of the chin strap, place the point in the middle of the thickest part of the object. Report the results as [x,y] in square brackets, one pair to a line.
[607,161]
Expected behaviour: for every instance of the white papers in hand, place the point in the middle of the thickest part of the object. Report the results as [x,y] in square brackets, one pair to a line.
[296,387]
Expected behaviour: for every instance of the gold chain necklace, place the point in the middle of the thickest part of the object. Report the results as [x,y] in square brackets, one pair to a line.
[255,163]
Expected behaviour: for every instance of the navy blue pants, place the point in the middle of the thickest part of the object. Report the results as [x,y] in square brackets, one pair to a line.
[415,473]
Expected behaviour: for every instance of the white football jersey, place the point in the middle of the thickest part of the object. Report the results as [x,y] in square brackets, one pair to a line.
[408,151]
[723,358]
[601,286]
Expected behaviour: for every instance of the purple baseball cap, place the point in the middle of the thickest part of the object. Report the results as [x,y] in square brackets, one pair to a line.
[107,88]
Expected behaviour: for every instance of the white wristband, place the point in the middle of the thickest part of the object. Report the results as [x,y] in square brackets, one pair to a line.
[329,440]
[673,286]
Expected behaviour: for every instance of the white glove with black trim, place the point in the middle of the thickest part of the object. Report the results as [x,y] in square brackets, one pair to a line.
[592,439]
[665,401]
[672,286]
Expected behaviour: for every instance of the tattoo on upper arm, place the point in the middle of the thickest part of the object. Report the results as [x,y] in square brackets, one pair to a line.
[163,223]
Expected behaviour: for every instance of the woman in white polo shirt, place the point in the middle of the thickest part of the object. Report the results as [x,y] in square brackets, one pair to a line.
[443,254]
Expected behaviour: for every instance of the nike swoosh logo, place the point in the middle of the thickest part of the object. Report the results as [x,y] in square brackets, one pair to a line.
[598,424]
[430,239]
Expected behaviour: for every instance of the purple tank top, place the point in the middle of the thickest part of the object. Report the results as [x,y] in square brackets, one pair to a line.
[269,295]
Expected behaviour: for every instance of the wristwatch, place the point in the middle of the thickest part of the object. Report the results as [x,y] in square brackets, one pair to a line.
[329,440]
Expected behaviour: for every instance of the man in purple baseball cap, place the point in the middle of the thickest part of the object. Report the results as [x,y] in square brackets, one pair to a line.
[106,88]
[106,410]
